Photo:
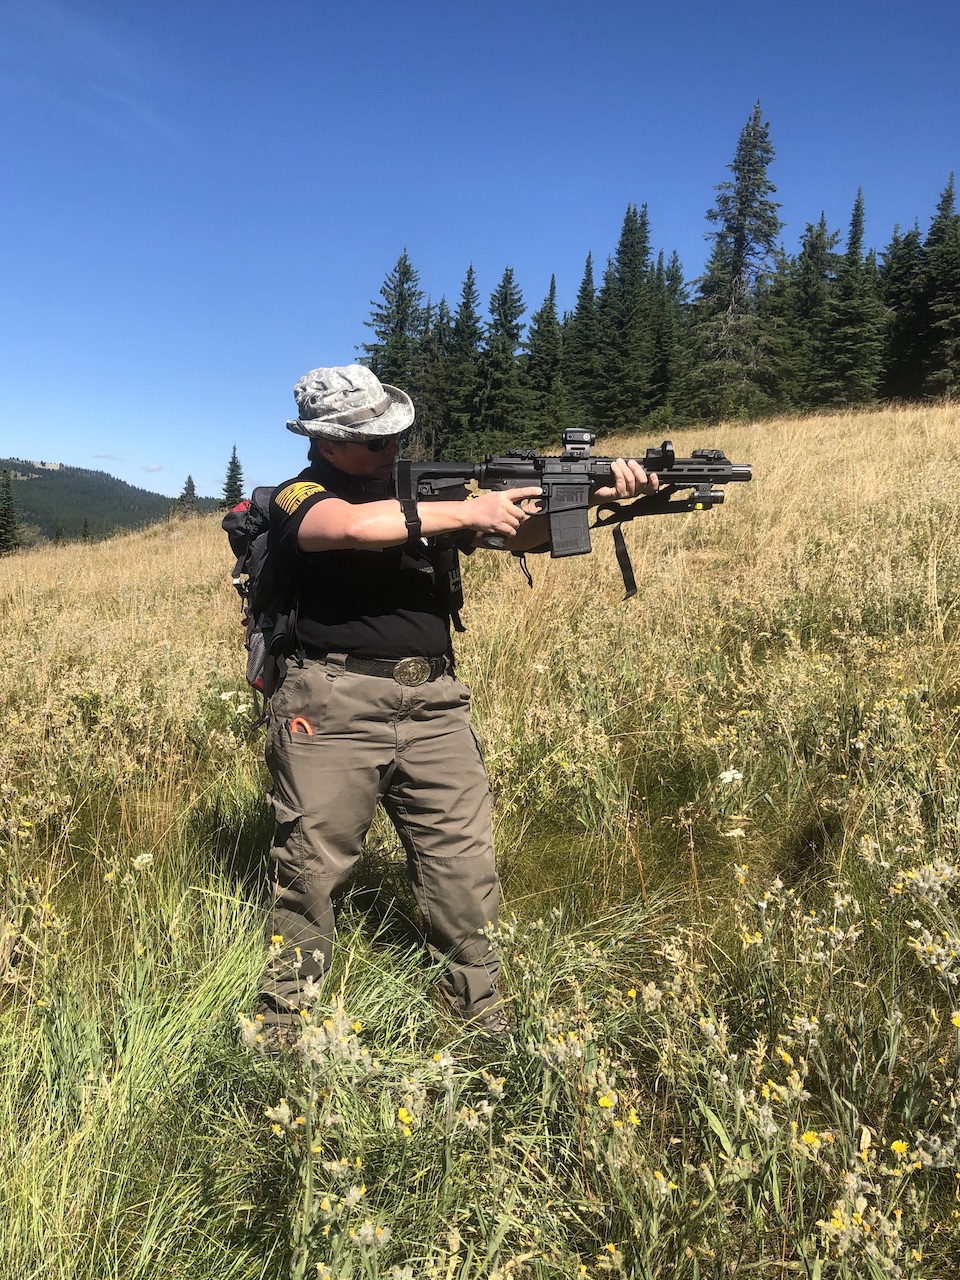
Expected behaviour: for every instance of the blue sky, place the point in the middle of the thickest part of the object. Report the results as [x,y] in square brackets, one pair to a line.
[201,200]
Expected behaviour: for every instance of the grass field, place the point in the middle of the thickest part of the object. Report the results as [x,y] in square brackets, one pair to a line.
[728,816]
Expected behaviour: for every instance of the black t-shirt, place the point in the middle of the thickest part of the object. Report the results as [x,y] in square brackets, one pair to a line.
[374,604]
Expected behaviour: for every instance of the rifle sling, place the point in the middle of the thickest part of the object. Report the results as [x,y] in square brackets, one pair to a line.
[662,502]
[623,560]
[616,515]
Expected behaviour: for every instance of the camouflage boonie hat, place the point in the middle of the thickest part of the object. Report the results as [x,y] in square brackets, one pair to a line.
[349,402]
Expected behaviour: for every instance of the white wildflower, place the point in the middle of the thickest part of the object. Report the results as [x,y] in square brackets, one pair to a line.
[280,1114]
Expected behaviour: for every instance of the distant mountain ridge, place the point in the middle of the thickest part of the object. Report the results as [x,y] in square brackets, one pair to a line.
[53,499]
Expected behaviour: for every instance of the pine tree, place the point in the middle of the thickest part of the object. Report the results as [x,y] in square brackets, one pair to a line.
[901,291]
[398,323]
[9,524]
[808,281]
[467,325]
[625,311]
[582,354]
[941,291]
[187,502]
[945,217]
[429,388]
[854,325]
[746,216]
[736,364]
[670,337]
[502,400]
[461,421]
[233,484]
[769,307]
[606,401]
[544,370]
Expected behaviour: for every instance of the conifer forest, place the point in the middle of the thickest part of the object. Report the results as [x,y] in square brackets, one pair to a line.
[832,325]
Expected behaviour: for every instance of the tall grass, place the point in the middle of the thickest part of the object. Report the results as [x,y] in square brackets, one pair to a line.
[728,814]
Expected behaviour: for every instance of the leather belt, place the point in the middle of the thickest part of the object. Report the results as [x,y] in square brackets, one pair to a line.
[408,671]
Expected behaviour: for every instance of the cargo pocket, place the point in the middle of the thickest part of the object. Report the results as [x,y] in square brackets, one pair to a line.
[288,853]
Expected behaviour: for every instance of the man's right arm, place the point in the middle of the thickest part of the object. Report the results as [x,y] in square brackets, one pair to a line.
[335,525]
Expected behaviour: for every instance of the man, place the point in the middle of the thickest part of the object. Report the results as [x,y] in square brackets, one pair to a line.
[375,713]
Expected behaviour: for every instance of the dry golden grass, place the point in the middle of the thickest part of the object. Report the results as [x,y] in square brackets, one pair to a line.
[167,584]
[762,631]
[813,476]
[762,745]
[602,714]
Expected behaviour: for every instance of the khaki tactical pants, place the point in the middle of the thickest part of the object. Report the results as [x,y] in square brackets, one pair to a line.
[414,751]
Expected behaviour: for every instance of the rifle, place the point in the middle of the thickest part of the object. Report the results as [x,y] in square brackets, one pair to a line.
[686,484]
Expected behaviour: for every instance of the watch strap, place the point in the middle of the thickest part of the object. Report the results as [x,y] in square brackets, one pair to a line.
[411,518]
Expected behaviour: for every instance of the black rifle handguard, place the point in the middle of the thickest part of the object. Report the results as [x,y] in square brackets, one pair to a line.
[568,481]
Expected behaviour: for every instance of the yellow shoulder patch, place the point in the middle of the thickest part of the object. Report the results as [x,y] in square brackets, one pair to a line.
[294,495]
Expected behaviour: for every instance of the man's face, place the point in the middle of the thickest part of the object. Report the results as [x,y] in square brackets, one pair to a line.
[355,459]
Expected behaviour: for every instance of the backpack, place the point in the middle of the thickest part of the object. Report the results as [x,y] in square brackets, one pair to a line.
[269,610]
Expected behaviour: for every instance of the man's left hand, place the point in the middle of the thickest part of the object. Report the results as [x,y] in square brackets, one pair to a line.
[630,481]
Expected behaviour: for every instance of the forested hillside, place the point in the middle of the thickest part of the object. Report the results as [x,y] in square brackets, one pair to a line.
[831,325]
[51,501]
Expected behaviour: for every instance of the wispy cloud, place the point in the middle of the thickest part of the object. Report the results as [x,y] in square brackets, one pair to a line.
[153,467]
[109,457]
[86,65]
[65,35]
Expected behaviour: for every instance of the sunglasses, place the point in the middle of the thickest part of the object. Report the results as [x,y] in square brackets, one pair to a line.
[377,444]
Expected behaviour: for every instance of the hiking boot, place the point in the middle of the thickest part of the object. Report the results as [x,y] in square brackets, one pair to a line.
[492,1027]
[281,1040]
[270,1038]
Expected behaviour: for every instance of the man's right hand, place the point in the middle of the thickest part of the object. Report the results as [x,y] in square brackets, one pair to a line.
[501,512]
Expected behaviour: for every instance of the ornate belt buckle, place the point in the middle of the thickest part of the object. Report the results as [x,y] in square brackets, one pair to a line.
[412,671]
